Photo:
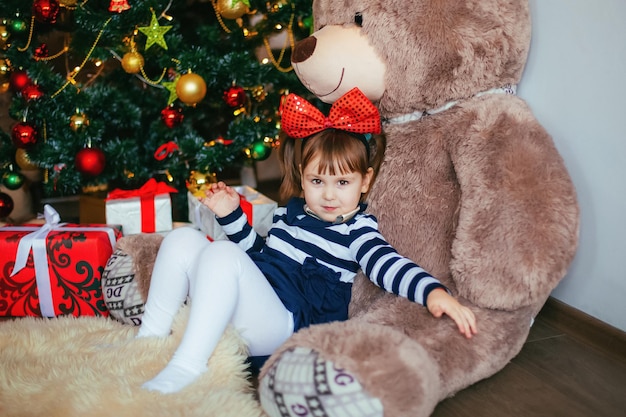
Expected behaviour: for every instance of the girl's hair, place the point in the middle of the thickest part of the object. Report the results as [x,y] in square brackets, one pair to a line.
[339,151]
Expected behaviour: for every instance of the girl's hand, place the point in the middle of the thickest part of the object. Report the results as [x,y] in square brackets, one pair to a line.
[439,302]
[221,199]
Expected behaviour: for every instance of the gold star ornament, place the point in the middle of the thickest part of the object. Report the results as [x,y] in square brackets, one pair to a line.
[154,33]
[171,87]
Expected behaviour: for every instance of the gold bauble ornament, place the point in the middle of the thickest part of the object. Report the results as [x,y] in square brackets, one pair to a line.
[22,159]
[132,62]
[198,182]
[232,9]
[4,87]
[4,37]
[259,93]
[78,121]
[190,88]
[5,70]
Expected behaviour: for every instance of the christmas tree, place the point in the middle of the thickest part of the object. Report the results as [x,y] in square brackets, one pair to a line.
[110,93]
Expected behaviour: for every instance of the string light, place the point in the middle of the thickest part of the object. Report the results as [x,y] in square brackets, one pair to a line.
[289,43]
[71,79]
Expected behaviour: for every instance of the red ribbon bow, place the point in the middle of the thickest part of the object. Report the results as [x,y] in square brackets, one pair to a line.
[352,112]
[149,189]
[165,150]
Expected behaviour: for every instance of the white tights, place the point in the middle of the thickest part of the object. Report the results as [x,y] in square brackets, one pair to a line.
[225,287]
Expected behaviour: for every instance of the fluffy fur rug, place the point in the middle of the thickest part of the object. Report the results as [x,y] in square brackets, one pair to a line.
[94,367]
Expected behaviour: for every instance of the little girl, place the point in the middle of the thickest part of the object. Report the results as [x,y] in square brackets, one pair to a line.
[302,273]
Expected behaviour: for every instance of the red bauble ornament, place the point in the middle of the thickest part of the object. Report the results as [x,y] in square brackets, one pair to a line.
[235,96]
[19,80]
[6,205]
[23,135]
[172,116]
[90,161]
[46,11]
[32,92]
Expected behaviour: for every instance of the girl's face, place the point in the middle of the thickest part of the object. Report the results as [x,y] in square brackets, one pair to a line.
[330,196]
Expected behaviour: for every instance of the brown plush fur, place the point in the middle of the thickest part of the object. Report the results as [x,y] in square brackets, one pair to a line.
[438,50]
[143,248]
[476,194]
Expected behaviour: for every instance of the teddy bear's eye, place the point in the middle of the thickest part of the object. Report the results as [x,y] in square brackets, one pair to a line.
[358,19]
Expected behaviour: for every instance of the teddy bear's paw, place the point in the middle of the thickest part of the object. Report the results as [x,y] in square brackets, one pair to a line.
[120,289]
[301,383]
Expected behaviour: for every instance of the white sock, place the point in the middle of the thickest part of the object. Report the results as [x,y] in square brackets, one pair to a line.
[156,321]
[173,378]
[148,331]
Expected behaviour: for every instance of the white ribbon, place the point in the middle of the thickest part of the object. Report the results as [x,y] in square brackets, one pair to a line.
[196,214]
[37,242]
[510,89]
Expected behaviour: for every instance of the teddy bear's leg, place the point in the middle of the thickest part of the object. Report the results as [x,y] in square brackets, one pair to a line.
[349,372]
[126,277]
[302,383]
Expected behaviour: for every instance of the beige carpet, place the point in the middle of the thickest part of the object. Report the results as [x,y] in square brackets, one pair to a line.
[94,367]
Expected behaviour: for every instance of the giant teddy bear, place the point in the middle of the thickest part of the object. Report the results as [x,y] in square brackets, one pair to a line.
[472,188]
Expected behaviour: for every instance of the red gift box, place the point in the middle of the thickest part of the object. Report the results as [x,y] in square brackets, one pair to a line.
[54,269]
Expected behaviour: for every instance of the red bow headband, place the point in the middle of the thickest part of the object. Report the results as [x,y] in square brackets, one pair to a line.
[352,112]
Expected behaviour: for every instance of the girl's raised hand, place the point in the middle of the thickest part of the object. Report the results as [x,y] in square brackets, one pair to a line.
[439,302]
[221,199]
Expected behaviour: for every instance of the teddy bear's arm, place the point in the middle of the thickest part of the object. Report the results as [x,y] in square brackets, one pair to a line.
[387,269]
[518,217]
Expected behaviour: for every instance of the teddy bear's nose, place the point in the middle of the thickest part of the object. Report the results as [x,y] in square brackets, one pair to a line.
[303,49]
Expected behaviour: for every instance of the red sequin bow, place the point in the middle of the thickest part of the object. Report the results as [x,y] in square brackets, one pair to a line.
[352,112]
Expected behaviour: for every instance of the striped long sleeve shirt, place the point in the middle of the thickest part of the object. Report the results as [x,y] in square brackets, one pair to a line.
[344,248]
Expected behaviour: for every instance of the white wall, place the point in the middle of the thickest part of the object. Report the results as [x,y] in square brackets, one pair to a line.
[575,82]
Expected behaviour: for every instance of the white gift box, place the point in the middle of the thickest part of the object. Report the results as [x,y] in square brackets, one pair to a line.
[129,213]
[262,213]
